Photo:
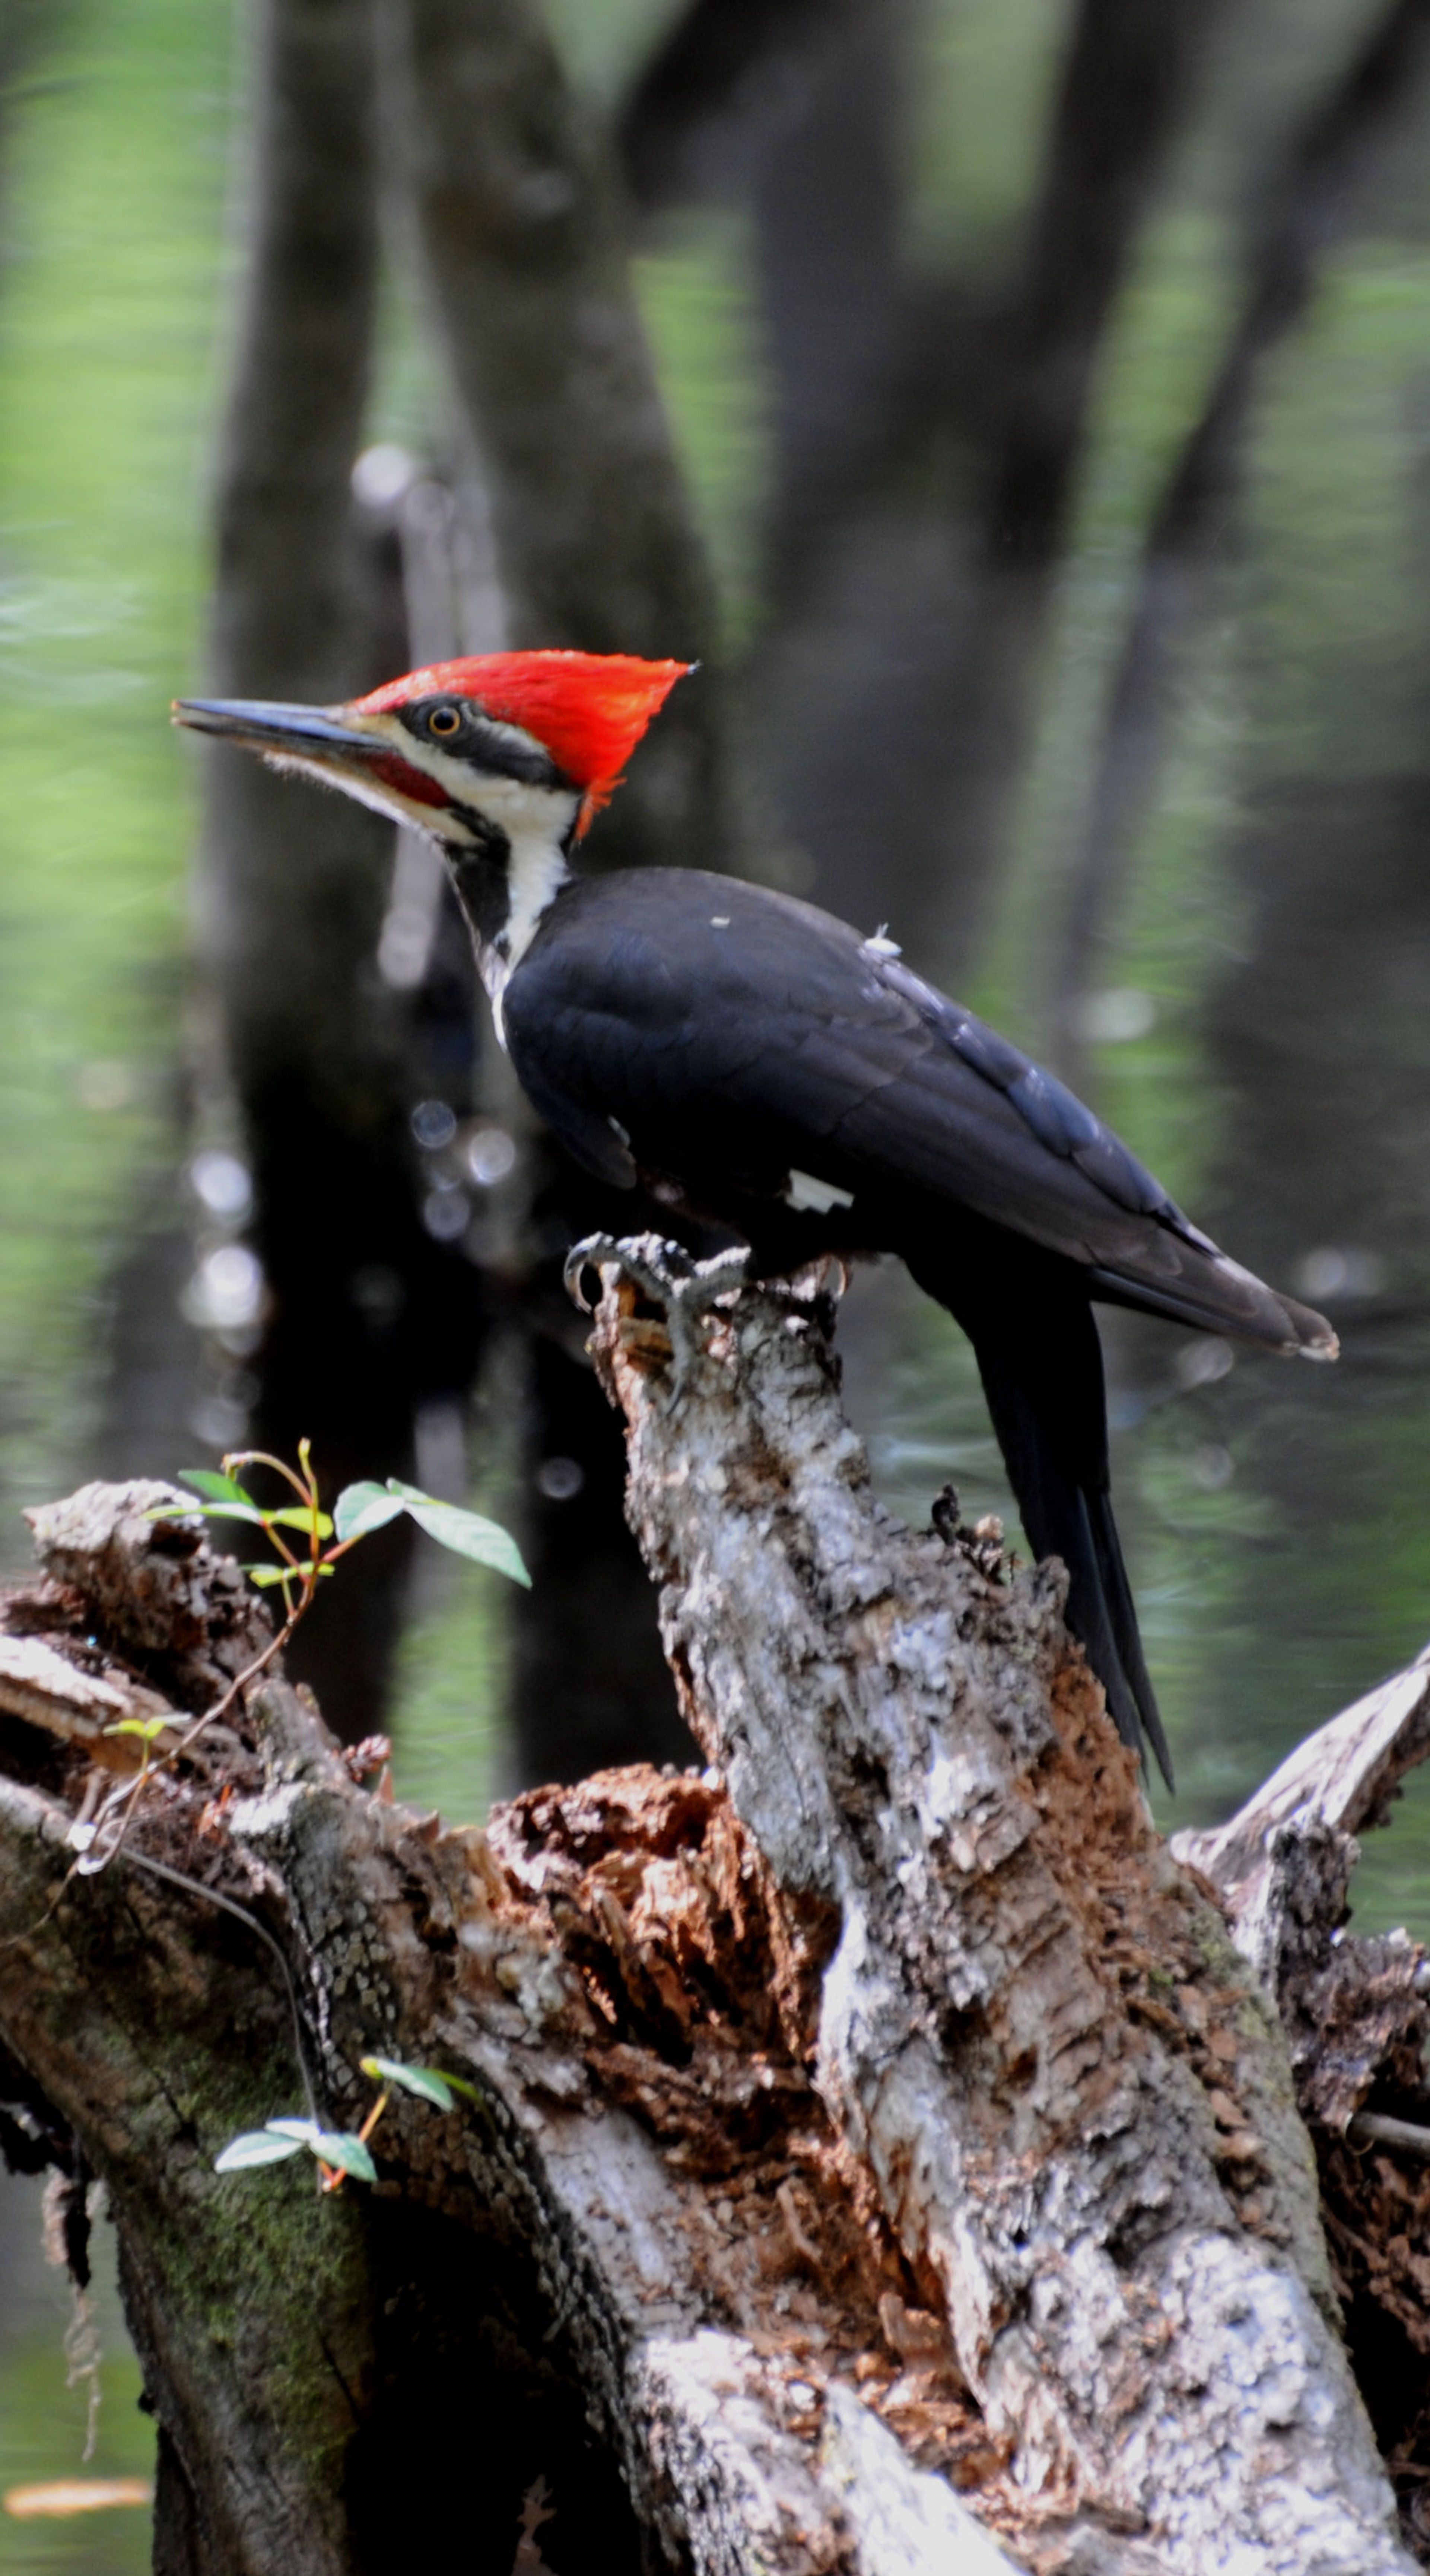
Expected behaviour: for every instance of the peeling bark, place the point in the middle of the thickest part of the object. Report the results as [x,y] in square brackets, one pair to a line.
[1075,2103]
[876,2113]
[594,2241]
[1356,2009]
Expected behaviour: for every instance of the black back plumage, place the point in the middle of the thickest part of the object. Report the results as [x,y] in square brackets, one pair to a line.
[715,1036]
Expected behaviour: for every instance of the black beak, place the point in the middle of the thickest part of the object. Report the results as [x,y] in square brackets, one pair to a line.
[270,727]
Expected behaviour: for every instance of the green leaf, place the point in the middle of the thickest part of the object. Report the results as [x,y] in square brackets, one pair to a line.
[334,2146]
[214,1487]
[424,2081]
[466,1533]
[298,1516]
[361,1508]
[339,2147]
[148,1727]
[256,2147]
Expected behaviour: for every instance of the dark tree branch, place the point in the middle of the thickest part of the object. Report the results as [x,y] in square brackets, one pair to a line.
[910,609]
[1312,203]
[1124,92]
[712,69]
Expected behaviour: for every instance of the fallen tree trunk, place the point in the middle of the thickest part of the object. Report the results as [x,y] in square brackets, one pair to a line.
[875,2112]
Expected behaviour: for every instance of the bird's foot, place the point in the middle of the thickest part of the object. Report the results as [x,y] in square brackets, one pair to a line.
[683,1287]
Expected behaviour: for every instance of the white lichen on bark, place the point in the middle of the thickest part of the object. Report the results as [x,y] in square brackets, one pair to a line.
[1130,2255]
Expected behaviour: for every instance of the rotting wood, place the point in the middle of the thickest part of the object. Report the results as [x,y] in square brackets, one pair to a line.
[1075,2102]
[682,2247]
[1356,2010]
[876,2112]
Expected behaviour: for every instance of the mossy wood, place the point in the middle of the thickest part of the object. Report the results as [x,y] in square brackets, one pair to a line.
[882,2157]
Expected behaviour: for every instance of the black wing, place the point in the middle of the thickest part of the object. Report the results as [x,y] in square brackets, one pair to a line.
[694,1024]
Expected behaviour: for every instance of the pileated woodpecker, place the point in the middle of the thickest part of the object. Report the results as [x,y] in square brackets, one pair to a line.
[760,1066]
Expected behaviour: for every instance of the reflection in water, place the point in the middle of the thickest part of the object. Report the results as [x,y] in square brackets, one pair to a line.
[42,2423]
[1321,1038]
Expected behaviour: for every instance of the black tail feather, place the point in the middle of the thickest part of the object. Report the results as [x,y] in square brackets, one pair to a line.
[1117,1593]
[1040,1359]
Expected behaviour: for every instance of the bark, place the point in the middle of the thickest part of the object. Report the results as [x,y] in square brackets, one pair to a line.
[1356,2009]
[1310,204]
[878,2111]
[1075,2103]
[646,2221]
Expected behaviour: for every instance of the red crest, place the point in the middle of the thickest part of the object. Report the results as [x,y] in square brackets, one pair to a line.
[588,709]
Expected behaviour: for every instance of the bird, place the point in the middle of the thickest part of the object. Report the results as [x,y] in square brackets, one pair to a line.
[771,1072]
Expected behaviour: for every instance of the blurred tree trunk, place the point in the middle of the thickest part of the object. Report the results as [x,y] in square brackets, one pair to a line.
[524,240]
[844,699]
[847,696]
[1309,204]
[369,1318]
[1124,91]
[928,434]
[28,30]
[365,1311]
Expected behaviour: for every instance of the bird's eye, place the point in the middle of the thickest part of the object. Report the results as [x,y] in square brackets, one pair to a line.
[444,720]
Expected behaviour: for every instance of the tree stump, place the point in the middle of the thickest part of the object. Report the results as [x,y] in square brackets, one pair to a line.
[881,2157]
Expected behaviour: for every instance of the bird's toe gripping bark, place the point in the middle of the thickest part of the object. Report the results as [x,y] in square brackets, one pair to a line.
[684,1288]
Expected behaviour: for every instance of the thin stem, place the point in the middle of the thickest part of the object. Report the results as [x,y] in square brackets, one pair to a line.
[265,1458]
[333,2175]
[241,1914]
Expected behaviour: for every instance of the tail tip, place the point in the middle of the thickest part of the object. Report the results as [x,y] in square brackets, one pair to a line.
[1310,1337]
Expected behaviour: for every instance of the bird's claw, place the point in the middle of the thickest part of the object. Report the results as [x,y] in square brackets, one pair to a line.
[684,1287]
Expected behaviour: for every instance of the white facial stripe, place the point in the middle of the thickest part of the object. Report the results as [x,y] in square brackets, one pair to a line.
[524,813]
[535,820]
[367,790]
[536,871]
[528,815]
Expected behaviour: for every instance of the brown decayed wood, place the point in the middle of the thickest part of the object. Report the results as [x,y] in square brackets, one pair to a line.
[698,2264]
[1073,2098]
[882,2100]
